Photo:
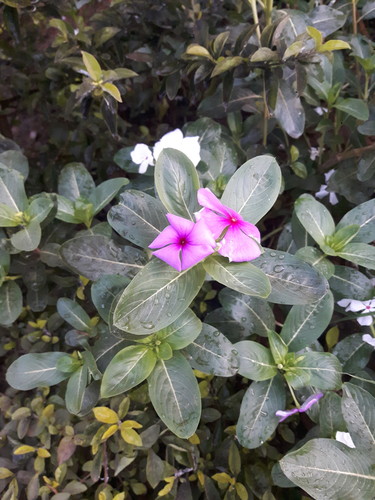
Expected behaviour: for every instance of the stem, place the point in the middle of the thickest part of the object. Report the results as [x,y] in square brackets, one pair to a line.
[359,378]
[272,233]
[354,15]
[268,6]
[266,113]
[253,5]
[293,395]
[105,463]
[366,89]
[372,330]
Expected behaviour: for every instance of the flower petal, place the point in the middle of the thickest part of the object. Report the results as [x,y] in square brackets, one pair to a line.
[285,414]
[333,198]
[192,254]
[201,235]
[322,192]
[215,223]
[310,401]
[356,305]
[369,339]
[345,438]
[168,236]
[182,226]
[249,229]
[172,139]
[365,320]
[207,199]
[141,153]
[239,247]
[344,302]
[191,148]
[170,255]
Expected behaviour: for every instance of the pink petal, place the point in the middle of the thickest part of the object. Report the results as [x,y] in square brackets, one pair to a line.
[202,235]
[215,223]
[192,254]
[310,401]
[170,255]
[166,237]
[182,226]
[239,247]
[249,229]
[285,414]
[207,199]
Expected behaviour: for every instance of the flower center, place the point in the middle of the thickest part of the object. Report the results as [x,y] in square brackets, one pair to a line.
[233,219]
[182,241]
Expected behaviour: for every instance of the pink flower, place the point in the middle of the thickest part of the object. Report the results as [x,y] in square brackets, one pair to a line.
[306,406]
[183,244]
[238,240]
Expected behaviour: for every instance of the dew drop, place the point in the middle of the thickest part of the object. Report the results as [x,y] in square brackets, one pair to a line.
[278,269]
[273,254]
[217,333]
[234,352]
[147,326]
[281,256]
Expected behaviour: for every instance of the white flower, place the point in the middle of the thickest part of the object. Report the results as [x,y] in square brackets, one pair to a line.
[175,139]
[314,153]
[142,156]
[345,437]
[320,110]
[369,339]
[367,306]
[324,192]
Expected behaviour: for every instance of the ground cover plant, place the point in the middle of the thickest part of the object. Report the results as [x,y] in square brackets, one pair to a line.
[186,250]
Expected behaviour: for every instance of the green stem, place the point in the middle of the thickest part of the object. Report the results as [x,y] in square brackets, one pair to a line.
[268,6]
[253,5]
[372,330]
[293,395]
[354,15]
[266,113]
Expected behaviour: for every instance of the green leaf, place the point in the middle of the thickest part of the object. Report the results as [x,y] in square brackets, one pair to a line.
[106,347]
[35,370]
[342,237]
[73,314]
[10,302]
[289,110]
[28,238]
[327,20]
[92,66]
[256,361]
[325,468]
[197,50]
[156,297]
[138,217]
[226,64]
[292,280]
[39,209]
[174,393]
[128,368]
[75,182]
[317,259]
[181,332]
[252,313]
[105,192]
[66,210]
[104,291]
[257,420]
[315,218]
[349,282]
[358,409]
[353,353]
[278,347]
[75,390]
[330,416]
[323,368]
[96,255]
[364,216]
[12,190]
[15,160]
[8,217]
[212,353]
[243,277]
[177,182]
[264,54]
[334,45]
[353,107]
[304,324]
[254,188]
[368,10]
[359,253]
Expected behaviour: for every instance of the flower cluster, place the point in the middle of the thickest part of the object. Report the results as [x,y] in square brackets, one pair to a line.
[323,191]
[144,157]
[219,228]
[283,414]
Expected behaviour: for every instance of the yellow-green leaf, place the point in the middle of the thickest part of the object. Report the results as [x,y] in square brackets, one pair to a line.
[130,436]
[334,45]
[241,491]
[222,477]
[316,36]
[167,488]
[131,424]
[109,432]
[105,415]
[194,439]
[4,473]
[92,66]
[21,450]
[197,50]
[332,337]
[43,453]
[112,90]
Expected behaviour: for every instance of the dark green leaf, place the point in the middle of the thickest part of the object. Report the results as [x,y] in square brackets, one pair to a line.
[256,361]
[73,314]
[75,390]
[10,302]
[315,218]
[364,216]
[323,368]
[349,282]
[289,111]
[359,253]
[353,353]
[104,291]
[75,182]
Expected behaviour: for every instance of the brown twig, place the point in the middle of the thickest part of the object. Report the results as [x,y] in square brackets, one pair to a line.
[353,153]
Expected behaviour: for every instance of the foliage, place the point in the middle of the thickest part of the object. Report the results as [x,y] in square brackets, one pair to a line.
[126,377]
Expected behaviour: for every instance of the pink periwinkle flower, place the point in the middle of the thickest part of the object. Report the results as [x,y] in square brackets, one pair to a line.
[239,240]
[306,406]
[184,243]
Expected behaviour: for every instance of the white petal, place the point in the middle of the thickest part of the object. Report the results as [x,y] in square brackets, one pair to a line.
[171,140]
[356,305]
[333,198]
[345,438]
[365,320]
[329,174]
[344,302]
[369,339]
[322,192]
[141,153]
[143,167]
[190,146]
